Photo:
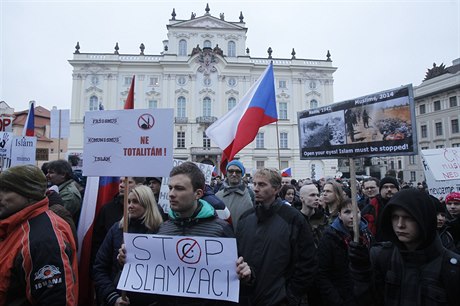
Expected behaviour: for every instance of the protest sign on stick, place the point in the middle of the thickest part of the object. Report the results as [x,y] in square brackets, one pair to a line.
[382,124]
[131,142]
[440,188]
[444,163]
[378,124]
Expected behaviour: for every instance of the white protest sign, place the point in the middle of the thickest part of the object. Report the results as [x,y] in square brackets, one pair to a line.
[23,150]
[444,163]
[439,189]
[134,142]
[6,140]
[163,199]
[6,124]
[199,267]
[60,123]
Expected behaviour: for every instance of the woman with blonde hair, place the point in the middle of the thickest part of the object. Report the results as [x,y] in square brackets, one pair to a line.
[145,217]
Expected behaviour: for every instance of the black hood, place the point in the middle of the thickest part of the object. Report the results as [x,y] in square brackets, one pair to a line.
[419,206]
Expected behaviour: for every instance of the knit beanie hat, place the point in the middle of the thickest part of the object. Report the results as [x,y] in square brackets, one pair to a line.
[26,180]
[440,206]
[389,180]
[237,163]
[453,196]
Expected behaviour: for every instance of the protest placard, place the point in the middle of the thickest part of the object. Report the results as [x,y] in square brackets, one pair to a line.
[23,150]
[163,198]
[439,188]
[6,140]
[6,124]
[135,142]
[444,163]
[59,123]
[199,267]
[378,124]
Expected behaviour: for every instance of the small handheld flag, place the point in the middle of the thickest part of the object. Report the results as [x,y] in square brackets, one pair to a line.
[29,125]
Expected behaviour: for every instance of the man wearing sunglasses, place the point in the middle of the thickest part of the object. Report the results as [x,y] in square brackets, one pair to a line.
[234,192]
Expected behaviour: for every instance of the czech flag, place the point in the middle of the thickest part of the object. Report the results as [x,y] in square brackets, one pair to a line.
[98,191]
[214,171]
[129,103]
[286,172]
[29,125]
[241,124]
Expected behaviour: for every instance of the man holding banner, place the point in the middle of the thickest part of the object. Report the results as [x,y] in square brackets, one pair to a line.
[189,215]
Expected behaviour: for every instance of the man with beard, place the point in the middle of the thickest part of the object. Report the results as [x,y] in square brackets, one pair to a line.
[370,190]
[388,187]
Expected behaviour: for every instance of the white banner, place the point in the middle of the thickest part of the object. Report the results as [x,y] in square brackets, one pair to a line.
[439,189]
[60,123]
[444,163]
[6,124]
[134,142]
[23,150]
[199,267]
[6,141]
[163,199]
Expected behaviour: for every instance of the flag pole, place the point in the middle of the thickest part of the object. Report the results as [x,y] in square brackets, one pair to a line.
[277,137]
[59,136]
[354,203]
[278,145]
[125,218]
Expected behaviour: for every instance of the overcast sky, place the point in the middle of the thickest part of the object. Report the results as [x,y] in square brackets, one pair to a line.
[375,45]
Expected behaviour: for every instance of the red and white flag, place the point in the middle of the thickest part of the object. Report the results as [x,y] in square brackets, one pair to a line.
[240,125]
[29,125]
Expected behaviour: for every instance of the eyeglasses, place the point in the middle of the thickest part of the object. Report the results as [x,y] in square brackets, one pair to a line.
[236,171]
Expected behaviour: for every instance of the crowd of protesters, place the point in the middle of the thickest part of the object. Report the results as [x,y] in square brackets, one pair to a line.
[295,239]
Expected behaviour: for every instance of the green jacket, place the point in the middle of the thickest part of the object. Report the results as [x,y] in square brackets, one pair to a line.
[71,199]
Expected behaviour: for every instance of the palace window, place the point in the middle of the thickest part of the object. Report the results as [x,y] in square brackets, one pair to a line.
[231,49]
[181,107]
[182,47]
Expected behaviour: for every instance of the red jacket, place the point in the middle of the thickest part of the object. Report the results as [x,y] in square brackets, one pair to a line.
[38,259]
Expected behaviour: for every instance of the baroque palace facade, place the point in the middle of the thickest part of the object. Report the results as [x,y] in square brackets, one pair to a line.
[204,70]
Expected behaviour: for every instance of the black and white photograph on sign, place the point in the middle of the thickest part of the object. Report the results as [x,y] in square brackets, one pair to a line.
[323,130]
[381,123]
[389,120]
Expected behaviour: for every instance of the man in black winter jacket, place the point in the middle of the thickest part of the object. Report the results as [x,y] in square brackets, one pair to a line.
[190,215]
[412,267]
[277,243]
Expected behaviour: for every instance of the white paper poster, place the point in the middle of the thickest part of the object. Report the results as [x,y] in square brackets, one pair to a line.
[60,123]
[6,124]
[6,140]
[23,150]
[199,267]
[444,163]
[439,188]
[134,142]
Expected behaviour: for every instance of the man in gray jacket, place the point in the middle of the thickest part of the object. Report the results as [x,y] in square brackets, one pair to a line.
[234,192]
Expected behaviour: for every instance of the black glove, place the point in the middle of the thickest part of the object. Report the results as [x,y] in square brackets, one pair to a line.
[358,254]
